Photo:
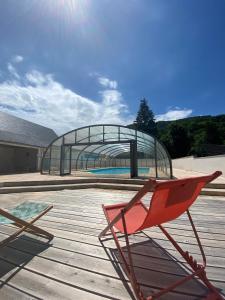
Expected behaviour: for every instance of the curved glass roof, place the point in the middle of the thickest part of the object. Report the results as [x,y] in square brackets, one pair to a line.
[79,148]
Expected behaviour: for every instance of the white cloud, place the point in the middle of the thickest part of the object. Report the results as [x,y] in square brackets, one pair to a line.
[174,114]
[10,66]
[36,78]
[94,74]
[39,98]
[12,71]
[17,59]
[107,83]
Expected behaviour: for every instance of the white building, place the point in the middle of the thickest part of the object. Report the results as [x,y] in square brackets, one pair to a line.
[22,144]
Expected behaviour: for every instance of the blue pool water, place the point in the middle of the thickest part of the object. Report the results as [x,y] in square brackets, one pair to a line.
[114,171]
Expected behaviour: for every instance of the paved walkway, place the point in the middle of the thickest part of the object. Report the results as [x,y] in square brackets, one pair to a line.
[178,173]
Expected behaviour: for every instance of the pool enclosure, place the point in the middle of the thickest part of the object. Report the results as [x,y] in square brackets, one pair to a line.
[103,146]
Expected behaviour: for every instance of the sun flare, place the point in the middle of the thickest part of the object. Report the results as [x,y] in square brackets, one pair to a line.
[69,10]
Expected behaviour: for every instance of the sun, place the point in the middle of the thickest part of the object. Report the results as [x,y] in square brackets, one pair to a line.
[71,11]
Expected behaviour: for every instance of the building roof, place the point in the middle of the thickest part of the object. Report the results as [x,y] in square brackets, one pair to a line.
[19,131]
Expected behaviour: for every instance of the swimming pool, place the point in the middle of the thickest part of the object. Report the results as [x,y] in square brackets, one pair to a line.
[117,171]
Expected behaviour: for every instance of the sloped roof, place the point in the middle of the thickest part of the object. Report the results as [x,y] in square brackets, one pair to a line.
[20,131]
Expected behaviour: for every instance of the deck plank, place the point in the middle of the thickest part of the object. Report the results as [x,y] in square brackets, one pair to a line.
[75,265]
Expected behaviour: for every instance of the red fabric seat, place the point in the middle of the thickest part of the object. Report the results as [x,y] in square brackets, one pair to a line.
[134,217]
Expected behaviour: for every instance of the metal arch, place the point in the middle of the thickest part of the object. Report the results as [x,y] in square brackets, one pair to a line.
[108,152]
[114,153]
[117,151]
[111,146]
[106,147]
[95,125]
[100,153]
[89,145]
[141,147]
[111,153]
[109,149]
[140,144]
[78,156]
[168,157]
[100,146]
[90,153]
[87,137]
[133,133]
[98,158]
[83,149]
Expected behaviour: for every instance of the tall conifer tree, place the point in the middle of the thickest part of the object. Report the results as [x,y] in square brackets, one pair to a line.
[145,118]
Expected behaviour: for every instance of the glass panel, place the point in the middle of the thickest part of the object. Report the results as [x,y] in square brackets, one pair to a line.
[111,133]
[144,137]
[69,138]
[127,134]
[74,154]
[55,166]
[58,142]
[100,148]
[163,162]
[82,135]
[45,165]
[96,134]
[55,152]
[65,163]
[55,157]
[109,148]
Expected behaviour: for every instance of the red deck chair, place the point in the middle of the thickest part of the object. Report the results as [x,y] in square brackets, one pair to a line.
[170,199]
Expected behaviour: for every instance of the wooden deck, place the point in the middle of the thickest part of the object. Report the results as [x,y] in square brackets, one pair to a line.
[76,266]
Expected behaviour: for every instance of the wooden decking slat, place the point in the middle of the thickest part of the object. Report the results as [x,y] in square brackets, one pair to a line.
[76,266]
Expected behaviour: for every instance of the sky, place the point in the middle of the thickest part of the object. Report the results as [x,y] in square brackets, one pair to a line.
[70,63]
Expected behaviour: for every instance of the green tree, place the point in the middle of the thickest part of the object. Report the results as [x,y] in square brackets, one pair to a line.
[145,118]
[199,133]
[176,141]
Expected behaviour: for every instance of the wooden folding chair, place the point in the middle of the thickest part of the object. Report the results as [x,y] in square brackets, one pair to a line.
[19,215]
[170,199]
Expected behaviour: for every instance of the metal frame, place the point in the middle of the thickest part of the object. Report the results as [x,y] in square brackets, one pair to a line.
[110,152]
[143,144]
[26,226]
[62,160]
[198,269]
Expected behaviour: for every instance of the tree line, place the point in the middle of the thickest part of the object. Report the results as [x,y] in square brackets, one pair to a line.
[198,136]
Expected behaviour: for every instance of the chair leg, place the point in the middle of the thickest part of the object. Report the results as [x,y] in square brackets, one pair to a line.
[36,230]
[128,266]
[104,231]
[199,270]
[133,278]
[27,226]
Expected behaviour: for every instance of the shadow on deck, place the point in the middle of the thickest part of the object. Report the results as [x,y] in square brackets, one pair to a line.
[156,269]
